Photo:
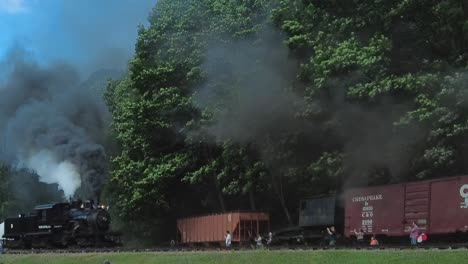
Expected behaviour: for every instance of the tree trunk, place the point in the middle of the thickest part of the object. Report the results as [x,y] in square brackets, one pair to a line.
[219,192]
[464,6]
[220,195]
[279,192]
[252,201]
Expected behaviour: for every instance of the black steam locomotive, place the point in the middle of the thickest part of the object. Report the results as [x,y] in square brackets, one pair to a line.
[74,223]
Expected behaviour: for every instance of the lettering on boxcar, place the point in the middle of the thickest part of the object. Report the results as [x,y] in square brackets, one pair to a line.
[367,198]
[464,195]
[367,212]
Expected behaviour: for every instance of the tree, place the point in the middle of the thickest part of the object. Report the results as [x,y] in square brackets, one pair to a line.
[374,94]
[153,111]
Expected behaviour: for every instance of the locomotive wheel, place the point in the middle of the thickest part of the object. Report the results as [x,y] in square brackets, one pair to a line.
[40,242]
[63,242]
[84,242]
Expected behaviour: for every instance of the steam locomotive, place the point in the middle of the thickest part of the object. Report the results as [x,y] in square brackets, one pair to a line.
[73,223]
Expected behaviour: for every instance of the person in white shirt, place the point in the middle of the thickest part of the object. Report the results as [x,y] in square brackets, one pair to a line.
[259,241]
[359,236]
[228,239]
[270,239]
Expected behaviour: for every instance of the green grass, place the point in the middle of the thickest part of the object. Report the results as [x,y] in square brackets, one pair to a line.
[250,257]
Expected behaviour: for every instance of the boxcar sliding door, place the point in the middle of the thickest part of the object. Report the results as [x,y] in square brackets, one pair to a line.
[417,205]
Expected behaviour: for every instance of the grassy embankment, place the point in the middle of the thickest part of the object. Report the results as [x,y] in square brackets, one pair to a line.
[247,257]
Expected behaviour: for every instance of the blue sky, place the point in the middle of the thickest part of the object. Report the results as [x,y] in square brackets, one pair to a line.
[89,34]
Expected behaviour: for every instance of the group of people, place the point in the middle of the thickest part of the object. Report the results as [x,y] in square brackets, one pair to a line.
[360,238]
[415,236]
[258,240]
[331,237]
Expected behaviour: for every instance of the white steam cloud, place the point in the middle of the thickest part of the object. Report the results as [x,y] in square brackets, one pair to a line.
[51,170]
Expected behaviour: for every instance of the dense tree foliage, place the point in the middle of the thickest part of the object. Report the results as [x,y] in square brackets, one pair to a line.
[408,56]
[164,150]
[368,92]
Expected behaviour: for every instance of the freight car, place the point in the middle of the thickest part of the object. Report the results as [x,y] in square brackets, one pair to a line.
[60,225]
[439,207]
[211,229]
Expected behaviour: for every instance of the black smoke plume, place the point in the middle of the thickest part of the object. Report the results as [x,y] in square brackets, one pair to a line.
[248,88]
[52,125]
[252,90]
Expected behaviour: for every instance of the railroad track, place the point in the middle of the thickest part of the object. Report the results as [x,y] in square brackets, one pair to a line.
[462,246]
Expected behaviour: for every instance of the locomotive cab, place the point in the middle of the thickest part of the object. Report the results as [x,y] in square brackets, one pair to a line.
[318,213]
[52,216]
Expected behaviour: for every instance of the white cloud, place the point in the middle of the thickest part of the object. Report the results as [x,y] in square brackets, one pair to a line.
[13,6]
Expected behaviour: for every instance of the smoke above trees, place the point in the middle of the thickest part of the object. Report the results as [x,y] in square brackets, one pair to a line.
[53,121]
[252,94]
[248,87]
[52,126]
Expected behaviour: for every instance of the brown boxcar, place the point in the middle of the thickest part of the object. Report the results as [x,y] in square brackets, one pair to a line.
[438,206]
[212,228]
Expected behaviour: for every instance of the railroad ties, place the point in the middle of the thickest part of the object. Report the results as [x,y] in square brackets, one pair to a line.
[455,246]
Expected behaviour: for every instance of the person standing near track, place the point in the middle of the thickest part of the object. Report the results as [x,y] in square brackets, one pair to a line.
[259,241]
[414,234]
[270,239]
[228,239]
[359,236]
[331,236]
